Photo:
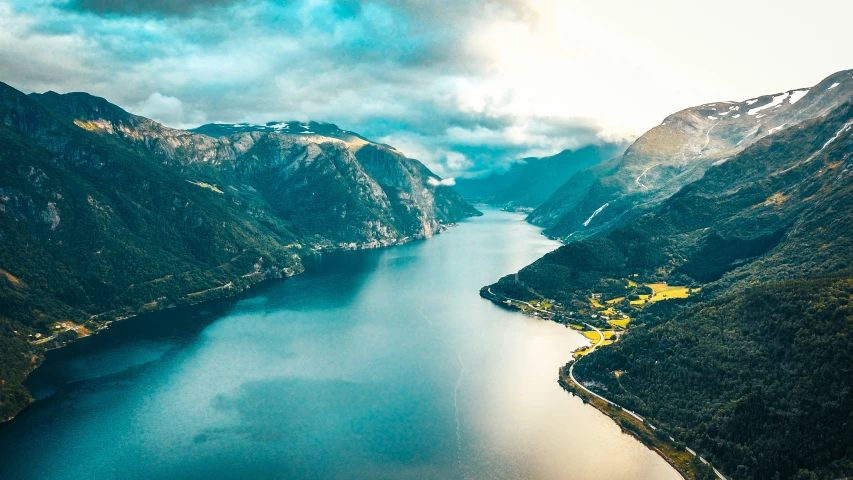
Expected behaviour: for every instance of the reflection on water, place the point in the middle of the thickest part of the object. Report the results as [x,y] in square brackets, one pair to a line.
[372,364]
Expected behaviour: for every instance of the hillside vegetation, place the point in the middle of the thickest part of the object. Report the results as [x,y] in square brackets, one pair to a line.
[104,214]
[529,182]
[752,369]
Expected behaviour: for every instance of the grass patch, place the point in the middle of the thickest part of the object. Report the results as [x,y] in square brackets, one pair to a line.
[641,301]
[670,292]
[592,335]
[208,186]
[623,323]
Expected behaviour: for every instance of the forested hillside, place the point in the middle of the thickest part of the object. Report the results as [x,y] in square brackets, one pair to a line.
[531,181]
[759,382]
[753,368]
[104,214]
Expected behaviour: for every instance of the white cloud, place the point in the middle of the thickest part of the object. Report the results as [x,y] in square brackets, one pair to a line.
[460,87]
[162,108]
[448,182]
[456,161]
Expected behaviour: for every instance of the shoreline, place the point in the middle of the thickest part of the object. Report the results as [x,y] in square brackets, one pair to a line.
[232,289]
[680,460]
[687,463]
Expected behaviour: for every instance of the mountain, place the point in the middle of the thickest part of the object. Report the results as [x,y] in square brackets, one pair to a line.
[531,181]
[105,214]
[677,152]
[749,359]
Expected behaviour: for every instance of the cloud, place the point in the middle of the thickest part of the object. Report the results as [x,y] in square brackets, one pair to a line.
[465,86]
[146,7]
[448,182]
[166,109]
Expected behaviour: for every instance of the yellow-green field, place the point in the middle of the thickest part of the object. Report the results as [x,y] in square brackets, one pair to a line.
[595,337]
[592,335]
[615,300]
[622,323]
[581,352]
[641,301]
[670,292]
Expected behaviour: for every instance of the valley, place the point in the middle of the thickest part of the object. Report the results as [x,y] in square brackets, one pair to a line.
[374,239]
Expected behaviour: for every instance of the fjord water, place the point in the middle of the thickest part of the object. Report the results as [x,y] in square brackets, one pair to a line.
[372,364]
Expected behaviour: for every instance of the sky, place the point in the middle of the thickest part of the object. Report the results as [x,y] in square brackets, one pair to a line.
[464,86]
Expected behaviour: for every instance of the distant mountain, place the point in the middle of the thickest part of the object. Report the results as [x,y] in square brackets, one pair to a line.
[105,214]
[677,152]
[755,370]
[531,181]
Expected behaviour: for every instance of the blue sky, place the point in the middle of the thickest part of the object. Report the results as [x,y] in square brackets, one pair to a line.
[464,86]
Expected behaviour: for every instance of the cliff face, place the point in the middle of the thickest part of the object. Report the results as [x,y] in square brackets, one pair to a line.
[104,214]
[334,185]
[677,152]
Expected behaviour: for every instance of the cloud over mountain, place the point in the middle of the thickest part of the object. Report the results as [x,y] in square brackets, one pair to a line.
[464,86]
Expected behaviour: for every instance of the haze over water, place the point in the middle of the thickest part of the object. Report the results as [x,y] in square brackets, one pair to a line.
[372,364]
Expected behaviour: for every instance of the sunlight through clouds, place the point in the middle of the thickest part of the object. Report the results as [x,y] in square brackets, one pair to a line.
[489,82]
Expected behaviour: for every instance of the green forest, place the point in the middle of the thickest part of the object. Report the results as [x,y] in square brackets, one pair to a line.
[754,369]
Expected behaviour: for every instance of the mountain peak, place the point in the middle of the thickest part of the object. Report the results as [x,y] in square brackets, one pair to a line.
[288,127]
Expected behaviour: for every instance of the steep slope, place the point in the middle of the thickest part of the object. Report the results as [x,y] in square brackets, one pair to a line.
[753,371]
[758,383]
[677,152]
[345,205]
[104,214]
[531,181]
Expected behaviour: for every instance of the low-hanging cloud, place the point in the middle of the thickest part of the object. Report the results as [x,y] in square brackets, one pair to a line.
[447,182]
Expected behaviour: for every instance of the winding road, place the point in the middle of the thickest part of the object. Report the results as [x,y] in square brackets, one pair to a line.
[519,301]
[720,476]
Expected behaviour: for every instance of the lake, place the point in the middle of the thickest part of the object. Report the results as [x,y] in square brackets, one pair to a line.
[372,364]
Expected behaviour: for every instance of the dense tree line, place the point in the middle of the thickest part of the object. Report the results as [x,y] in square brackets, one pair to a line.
[755,370]
[758,382]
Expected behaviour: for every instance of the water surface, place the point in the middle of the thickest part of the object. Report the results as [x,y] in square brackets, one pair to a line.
[372,364]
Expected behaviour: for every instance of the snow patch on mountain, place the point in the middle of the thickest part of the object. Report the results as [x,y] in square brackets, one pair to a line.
[586,223]
[777,100]
[796,95]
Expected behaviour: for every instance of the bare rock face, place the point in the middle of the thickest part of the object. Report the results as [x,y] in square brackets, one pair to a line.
[677,152]
[326,182]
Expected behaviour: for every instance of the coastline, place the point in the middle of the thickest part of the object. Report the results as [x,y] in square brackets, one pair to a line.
[684,460]
[685,464]
[233,288]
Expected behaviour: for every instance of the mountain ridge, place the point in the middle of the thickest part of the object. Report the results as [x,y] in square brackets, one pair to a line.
[756,256]
[530,181]
[105,214]
[677,152]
